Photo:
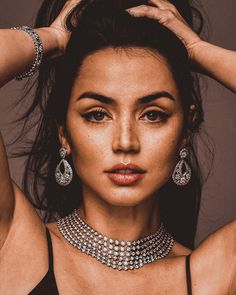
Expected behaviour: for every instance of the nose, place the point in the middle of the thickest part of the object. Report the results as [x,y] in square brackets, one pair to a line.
[125,137]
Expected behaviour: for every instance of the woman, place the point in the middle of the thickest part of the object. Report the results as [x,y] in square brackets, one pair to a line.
[123,106]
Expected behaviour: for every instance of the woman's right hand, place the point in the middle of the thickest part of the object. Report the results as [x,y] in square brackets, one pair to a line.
[58,27]
[167,14]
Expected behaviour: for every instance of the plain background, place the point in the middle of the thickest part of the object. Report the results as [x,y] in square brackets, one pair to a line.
[218,201]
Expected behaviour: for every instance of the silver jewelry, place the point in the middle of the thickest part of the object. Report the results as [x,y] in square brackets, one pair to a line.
[116,254]
[182,177]
[66,177]
[38,52]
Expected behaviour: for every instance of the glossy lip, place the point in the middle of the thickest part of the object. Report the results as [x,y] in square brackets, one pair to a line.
[122,166]
[125,178]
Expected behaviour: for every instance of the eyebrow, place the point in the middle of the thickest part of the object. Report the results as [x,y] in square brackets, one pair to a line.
[141,100]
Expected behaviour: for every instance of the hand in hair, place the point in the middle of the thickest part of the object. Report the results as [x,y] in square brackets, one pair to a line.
[166,13]
[59,25]
[209,59]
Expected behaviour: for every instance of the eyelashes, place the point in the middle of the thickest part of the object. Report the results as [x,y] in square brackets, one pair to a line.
[95,116]
[156,116]
[100,116]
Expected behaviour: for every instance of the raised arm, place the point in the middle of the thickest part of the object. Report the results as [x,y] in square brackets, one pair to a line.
[214,61]
[6,194]
[17,47]
[17,54]
[17,51]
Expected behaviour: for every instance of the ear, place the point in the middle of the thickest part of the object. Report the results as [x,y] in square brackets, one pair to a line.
[190,121]
[63,138]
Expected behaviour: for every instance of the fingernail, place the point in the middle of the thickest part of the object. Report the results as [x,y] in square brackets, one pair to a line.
[131,12]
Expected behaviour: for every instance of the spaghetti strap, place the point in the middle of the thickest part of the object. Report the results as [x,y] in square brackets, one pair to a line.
[48,284]
[188,275]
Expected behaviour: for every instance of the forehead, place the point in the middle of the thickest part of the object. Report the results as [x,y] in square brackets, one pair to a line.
[133,72]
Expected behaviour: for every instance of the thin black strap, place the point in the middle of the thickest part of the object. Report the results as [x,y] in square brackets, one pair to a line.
[188,275]
[48,284]
[50,252]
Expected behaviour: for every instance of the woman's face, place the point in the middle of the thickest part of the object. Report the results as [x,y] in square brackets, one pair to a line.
[124,107]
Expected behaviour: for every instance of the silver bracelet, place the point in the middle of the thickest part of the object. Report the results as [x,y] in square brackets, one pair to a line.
[38,52]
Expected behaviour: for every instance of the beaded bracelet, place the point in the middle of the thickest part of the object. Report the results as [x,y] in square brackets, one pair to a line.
[38,52]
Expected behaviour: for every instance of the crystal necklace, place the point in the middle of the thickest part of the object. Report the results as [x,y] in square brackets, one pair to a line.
[121,255]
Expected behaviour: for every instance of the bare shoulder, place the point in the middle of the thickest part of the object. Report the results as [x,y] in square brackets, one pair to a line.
[25,213]
[27,230]
[26,224]
[219,241]
[21,270]
[213,261]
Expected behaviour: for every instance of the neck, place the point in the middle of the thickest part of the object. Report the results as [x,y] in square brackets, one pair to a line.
[127,223]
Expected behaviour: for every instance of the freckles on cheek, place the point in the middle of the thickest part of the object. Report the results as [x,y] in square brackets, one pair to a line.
[168,137]
[86,145]
[164,146]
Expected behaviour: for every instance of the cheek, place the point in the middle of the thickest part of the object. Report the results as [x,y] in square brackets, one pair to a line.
[88,145]
[163,147]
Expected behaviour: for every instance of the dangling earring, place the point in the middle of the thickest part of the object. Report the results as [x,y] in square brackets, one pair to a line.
[63,178]
[179,176]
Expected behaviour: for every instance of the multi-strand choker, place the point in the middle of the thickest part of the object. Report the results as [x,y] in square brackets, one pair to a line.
[121,255]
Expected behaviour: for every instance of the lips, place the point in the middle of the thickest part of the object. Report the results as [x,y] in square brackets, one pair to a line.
[131,168]
[121,174]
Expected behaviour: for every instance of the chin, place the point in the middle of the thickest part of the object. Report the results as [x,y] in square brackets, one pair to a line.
[125,198]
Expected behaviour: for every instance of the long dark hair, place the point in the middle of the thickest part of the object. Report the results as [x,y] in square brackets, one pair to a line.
[102,24]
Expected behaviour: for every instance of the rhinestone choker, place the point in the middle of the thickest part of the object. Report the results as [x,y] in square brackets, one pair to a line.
[116,254]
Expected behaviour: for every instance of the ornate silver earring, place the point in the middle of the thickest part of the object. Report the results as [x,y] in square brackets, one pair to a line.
[182,177]
[66,177]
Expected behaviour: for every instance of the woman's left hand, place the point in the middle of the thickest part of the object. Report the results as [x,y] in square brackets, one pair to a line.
[167,14]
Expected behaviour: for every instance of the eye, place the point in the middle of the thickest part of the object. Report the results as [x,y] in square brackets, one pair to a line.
[155,116]
[95,116]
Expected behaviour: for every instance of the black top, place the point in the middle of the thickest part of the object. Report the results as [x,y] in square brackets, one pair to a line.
[48,286]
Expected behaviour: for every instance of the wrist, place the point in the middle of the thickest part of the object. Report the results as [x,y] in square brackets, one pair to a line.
[194,47]
[51,45]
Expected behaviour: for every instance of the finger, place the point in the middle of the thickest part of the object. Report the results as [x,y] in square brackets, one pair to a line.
[59,22]
[69,5]
[163,16]
[163,4]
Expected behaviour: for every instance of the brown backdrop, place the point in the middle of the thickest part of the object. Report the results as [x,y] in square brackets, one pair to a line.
[219,200]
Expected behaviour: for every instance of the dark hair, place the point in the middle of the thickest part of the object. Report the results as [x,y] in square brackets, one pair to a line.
[102,24]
